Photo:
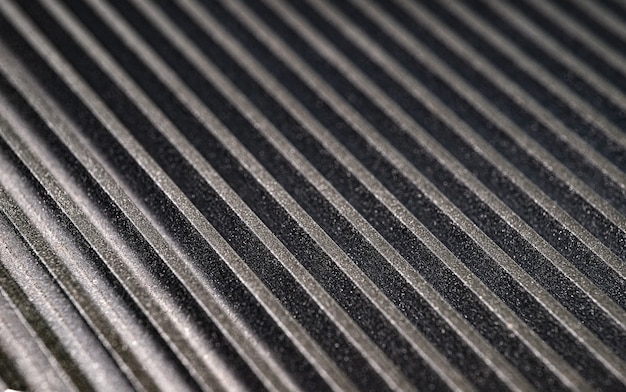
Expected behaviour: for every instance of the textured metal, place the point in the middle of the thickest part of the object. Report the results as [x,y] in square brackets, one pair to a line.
[312,195]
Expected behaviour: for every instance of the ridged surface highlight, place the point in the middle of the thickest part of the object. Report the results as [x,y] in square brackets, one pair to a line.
[312,195]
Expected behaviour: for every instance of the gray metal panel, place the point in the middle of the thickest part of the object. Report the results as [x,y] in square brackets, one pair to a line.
[312,195]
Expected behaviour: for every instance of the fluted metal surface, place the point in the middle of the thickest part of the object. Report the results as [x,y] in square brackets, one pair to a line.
[312,195]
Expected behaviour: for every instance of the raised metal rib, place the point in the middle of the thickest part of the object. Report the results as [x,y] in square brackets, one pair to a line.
[312,195]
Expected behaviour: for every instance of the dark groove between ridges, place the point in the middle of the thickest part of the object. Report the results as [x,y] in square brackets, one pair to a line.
[217,273]
[596,180]
[142,250]
[584,89]
[338,285]
[562,240]
[9,375]
[250,248]
[615,7]
[608,148]
[115,289]
[583,52]
[321,210]
[566,243]
[283,122]
[611,150]
[32,315]
[314,105]
[292,231]
[329,219]
[436,221]
[579,209]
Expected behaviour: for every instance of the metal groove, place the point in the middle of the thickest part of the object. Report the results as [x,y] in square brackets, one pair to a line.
[352,73]
[309,121]
[312,195]
[272,242]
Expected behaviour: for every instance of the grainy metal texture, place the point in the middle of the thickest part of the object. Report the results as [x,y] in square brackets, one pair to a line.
[312,195]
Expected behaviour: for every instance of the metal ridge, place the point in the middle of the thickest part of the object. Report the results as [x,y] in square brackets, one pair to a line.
[312,195]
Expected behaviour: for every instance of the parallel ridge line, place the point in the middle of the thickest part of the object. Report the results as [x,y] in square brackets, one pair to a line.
[191,281]
[277,88]
[312,195]
[59,325]
[603,17]
[446,36]
[286,201]
[46,328]
[273,135]
[501,44]
[583,71]
[242,210]
[352,72]
[175,332]
[58,191]
[107,118]
[573,274]
[523,99]
[615,6]
[603,50]
[617,312]
[199,162]
[341,154]
[33,356]
[115,336]
[549,205]
[591,242]
[277,248]
[232,328]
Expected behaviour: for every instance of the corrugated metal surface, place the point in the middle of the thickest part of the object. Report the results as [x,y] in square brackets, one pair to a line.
[312,195]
